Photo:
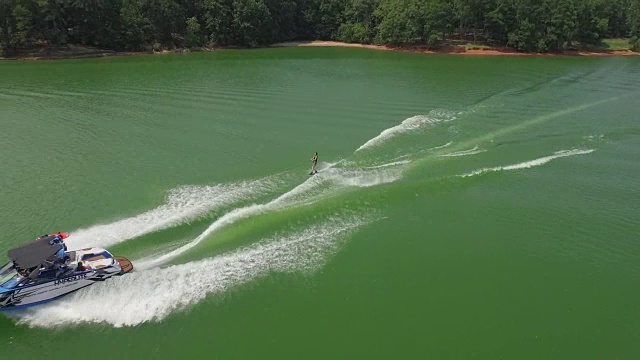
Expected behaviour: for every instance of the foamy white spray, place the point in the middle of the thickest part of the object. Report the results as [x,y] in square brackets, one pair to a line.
[411,124]
[377,176]
[301,194]
[473,151]
[160,291]
[151,295]
[440,147]
[183,204]
[532,163]
[394,163]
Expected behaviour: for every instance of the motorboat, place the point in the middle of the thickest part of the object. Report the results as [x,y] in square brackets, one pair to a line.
[42,270]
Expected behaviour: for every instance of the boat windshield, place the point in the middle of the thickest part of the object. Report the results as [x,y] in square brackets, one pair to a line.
[9,277]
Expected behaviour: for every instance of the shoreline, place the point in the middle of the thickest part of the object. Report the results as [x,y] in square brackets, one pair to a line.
[86,52]
[455,50]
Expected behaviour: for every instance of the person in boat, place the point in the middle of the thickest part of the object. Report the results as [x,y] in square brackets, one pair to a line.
[19,270]
[61,267]
[83,266]
[60,255]
[58,239]
[61,258]
[314,161]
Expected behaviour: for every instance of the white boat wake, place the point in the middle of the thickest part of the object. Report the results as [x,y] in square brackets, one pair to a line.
[152,295]
[531,163]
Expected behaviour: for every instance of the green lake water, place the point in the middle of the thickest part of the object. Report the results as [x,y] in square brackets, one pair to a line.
[466,207]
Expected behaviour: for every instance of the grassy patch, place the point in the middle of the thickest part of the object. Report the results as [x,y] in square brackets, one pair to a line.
[617,44]
[610,45]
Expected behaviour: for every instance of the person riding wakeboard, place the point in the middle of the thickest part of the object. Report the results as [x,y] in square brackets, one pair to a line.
[314,161]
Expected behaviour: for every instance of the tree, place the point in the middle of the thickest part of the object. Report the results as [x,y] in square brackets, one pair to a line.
[501,21]
[137,28]
[284,24]
[463,16]
[250,22]
[167,17]
[22,35]
[193,37]
[5,28]
[592,27]
[403,22]
[562,27]
[359,22]
[634,25]
[109,31]
[616,13]
[328,17]
[218,18]
[440,18]
[527,25]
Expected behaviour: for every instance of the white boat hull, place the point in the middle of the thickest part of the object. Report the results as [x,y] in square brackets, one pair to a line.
[26,295]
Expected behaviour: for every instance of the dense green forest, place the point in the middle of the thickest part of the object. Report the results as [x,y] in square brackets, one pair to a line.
[527,25]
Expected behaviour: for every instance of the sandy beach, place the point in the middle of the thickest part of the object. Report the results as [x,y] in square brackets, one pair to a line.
[80,52]
[458,50]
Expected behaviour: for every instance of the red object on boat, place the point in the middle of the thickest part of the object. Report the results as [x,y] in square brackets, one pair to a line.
[62,234]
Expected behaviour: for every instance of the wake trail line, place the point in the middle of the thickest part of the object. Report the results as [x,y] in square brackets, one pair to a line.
[183,204]
[410,124]
[152,295]
[531,163]
[298,196]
